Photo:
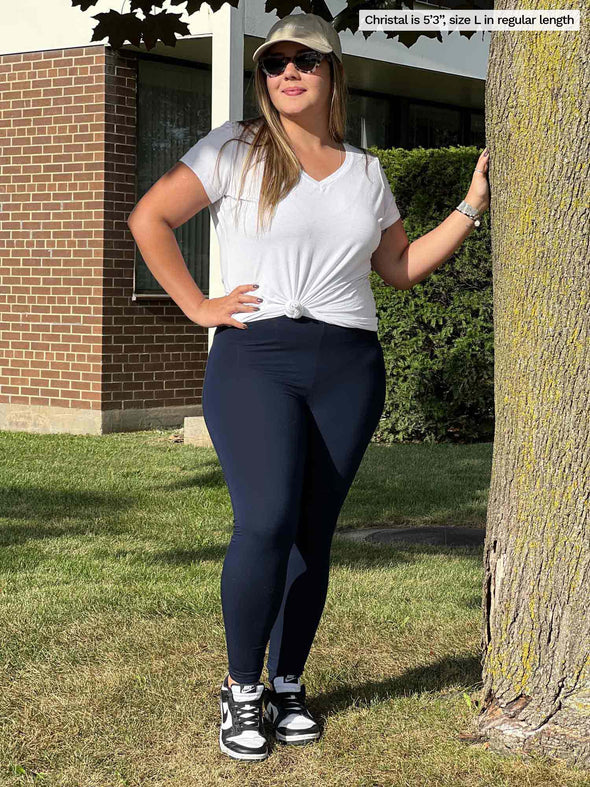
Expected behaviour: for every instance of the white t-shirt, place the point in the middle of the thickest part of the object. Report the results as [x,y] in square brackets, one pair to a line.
[315,258]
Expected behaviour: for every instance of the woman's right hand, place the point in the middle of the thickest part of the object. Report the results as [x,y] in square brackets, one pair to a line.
[212,312]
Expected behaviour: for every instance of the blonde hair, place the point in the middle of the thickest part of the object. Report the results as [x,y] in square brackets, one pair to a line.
[269,142]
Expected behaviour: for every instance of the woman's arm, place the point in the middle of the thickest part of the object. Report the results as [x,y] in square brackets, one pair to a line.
[427,253]
[171,201]
[402,264]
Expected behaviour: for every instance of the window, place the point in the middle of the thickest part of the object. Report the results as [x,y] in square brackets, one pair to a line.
[173,112]
[477,129]
[369,120]
[431,126]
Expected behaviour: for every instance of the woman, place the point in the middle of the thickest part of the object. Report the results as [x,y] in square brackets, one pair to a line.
[292,404]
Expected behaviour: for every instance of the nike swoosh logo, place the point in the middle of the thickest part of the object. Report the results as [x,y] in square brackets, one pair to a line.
[226,719]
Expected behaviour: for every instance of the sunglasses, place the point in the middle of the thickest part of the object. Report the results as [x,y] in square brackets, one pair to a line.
[307,62]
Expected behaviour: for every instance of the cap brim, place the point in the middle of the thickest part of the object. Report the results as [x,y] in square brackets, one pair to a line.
[267,45]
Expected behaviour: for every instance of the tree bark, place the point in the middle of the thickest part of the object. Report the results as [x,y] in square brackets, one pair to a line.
[536,589]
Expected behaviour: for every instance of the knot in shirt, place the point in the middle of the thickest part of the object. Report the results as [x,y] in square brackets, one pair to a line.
[293,309]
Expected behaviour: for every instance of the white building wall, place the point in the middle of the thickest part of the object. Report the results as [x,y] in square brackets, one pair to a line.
[30,25]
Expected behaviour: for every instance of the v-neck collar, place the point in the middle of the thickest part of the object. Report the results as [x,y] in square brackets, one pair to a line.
[336,174]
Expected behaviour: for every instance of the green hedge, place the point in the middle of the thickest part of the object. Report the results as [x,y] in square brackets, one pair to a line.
[437,337]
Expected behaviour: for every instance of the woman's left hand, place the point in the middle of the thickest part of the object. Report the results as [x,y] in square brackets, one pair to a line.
[479,192]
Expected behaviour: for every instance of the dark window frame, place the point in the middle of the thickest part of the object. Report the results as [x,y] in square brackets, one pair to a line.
[137,259]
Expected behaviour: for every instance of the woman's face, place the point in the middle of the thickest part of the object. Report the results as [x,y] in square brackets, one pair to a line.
[316,88]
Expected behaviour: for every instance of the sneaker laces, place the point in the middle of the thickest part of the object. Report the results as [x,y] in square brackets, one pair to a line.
[292,701]
[246,714]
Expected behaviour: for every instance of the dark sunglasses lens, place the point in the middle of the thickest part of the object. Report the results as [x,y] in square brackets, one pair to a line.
[273,64]
[276,64]
[307,61]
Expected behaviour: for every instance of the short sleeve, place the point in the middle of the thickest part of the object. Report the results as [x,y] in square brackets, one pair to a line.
[202,159]
[388,212]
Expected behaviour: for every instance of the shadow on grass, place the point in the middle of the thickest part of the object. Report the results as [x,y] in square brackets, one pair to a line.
[27,505]
[370,556]
[465,671]
[405,483]
[356,556]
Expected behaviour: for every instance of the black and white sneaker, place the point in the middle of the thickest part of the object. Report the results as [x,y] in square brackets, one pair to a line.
[242,730]
[286,711]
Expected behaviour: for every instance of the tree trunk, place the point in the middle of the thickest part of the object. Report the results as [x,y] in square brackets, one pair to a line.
[536,589]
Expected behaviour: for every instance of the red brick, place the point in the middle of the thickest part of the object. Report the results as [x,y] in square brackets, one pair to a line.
[72,336]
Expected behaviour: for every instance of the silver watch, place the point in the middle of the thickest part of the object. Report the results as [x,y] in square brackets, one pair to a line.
[470,211]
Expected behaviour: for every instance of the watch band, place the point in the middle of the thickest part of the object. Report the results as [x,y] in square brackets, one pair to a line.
[468,210]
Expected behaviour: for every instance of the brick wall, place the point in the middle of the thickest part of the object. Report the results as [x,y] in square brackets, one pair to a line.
[71,335]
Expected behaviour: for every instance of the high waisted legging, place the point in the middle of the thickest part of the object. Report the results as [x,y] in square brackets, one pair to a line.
[290,406]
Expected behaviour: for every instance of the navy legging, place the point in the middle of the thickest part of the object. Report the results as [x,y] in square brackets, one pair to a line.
[290,406]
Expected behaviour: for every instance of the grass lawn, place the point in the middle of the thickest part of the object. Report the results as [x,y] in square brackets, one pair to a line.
[112,641]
